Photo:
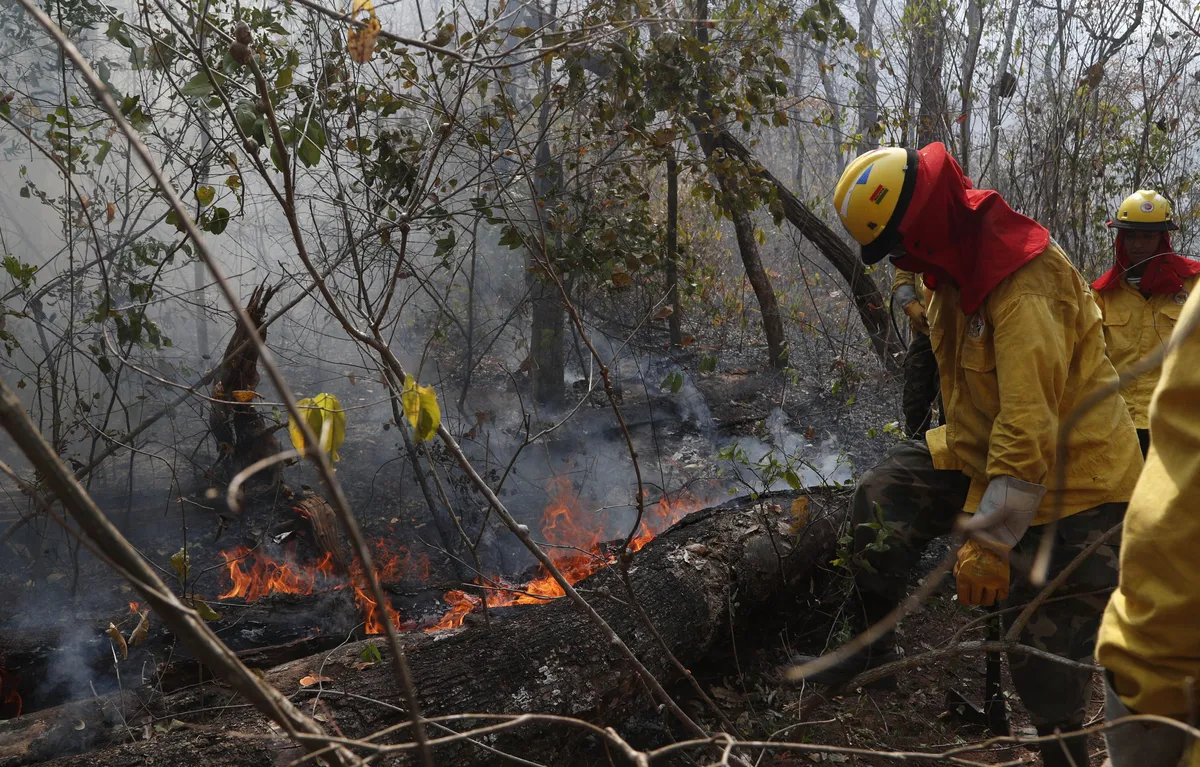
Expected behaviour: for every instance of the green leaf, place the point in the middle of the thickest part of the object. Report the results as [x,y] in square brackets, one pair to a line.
[511,237]
[445,244]
[708,364]
[205,195]
[370,653]
[308,153]
[673,382]
[521,31]
[246,117]
[284,80]
[198,87]
[793,481]
[116,32]
[22,274]
[174,220]
[217,221]
[102,153]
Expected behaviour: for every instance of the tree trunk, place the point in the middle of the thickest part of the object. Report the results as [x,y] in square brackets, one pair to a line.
[929,48]
[546,659]
[675,320]
[743,225]
[549,316]
[866,296]
[833,104]
[990,171]
[868,78]
[974,33]
[242,432]
[546,342]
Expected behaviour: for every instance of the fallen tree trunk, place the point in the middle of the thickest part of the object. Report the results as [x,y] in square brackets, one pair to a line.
[544,659]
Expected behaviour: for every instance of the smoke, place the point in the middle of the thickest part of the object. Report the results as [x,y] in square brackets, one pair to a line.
[764,465]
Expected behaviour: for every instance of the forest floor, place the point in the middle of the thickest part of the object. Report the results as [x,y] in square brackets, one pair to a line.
[836,409]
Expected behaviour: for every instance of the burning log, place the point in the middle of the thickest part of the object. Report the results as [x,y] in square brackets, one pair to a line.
[546,658]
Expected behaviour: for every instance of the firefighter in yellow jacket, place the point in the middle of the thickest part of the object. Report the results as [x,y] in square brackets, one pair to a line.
[920,367]
[1150,638]
[1018,341]
[1142,295]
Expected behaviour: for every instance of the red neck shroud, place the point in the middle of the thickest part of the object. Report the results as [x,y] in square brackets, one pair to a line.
[963,236]
[1164,273]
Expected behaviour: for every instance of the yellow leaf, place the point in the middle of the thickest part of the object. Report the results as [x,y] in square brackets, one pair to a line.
[361,42]
[621,279]
[242,395]
[410,399]
[205,612]
[362,5]
[799,515]
[312,679]
[112,212]
[181,562]
[325,416]
[115,634]
[421,409]
[143,628]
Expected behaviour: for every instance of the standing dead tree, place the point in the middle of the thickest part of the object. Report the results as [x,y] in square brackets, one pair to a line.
[243,434]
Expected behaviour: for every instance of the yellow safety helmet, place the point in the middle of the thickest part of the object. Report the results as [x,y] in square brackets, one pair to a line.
[1146,210]
[872,196]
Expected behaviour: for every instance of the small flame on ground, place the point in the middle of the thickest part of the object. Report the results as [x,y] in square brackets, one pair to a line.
[576,552]
[254,574]
[135,606]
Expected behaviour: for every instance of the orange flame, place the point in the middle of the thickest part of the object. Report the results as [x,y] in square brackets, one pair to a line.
[134,606]
[460,603]
[254,574]
[576,551]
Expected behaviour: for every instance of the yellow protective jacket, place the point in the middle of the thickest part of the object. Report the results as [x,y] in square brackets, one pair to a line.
[1134,327]
[1150,636]
[904,277]
[1012,372]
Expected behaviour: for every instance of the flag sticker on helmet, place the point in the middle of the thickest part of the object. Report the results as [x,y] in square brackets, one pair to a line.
[879,193]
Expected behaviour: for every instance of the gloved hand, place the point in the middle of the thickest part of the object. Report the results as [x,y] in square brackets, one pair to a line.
[1005,512]
[982,575]
[906,297]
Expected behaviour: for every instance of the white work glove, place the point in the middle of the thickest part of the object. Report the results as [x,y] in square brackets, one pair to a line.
[906,298]
[1005,512]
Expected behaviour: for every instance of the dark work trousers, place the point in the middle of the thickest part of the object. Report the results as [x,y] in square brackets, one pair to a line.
[921,386]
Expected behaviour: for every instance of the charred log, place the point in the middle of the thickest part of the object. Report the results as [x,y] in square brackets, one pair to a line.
[547,659]
[53,665]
